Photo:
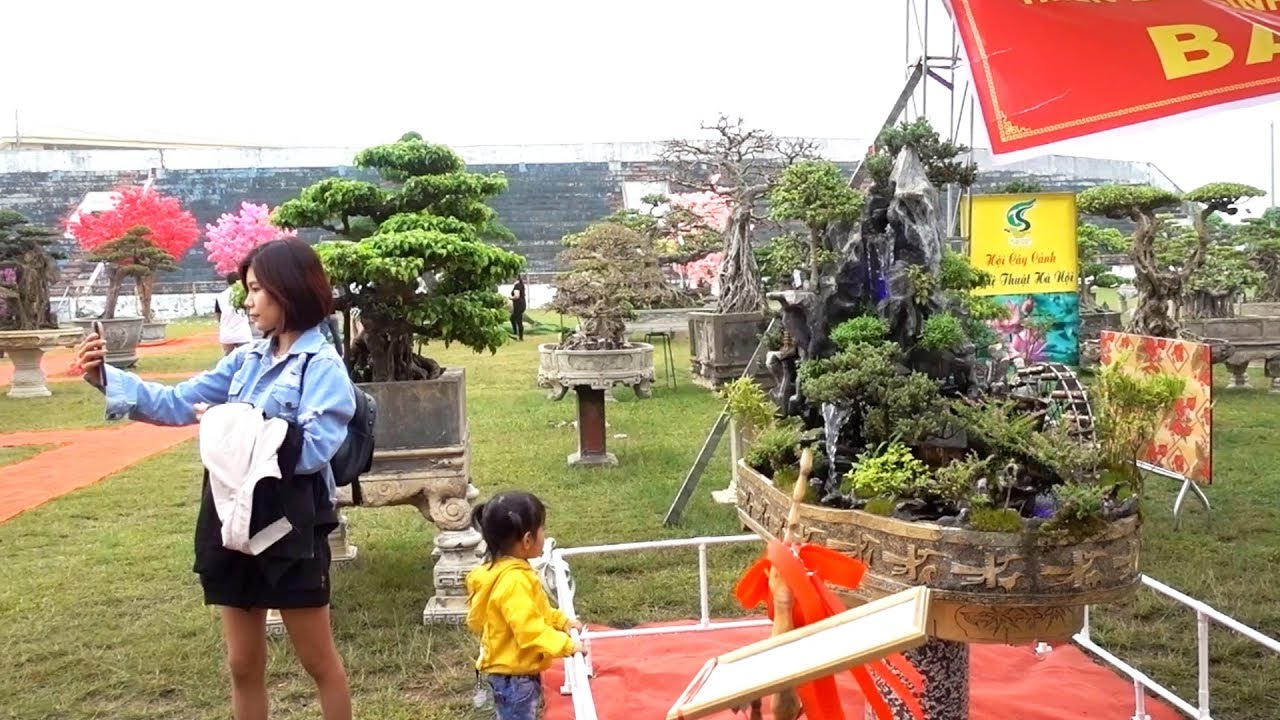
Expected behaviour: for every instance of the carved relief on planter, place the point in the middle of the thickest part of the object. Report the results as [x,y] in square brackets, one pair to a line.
[1005,588]
[562,370]
[721,345]
[122,336]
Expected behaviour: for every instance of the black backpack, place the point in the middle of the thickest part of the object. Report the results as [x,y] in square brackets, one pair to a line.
[355,457]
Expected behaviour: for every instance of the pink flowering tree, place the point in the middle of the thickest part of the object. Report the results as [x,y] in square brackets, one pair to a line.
[142,226]
[695,235]
[233,236]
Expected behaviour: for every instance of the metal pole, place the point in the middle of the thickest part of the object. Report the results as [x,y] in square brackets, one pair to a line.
[1273,163]
[704,599]
[924,51]
[1202,647]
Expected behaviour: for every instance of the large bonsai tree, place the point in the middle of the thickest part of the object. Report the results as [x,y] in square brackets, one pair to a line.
[408,255]
[612,272]
[814,193]
[233,236]
[169,227]
[1092,242]
[740,165]
[27,269]
[1160,285]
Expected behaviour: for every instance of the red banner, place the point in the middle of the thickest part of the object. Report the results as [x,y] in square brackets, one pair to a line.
[1049,70]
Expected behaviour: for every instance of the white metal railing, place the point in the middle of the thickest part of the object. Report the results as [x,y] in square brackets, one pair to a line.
[1204,615]
[578,670]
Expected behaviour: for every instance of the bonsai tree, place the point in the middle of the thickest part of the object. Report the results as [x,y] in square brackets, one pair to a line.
[814,193]
[409,255]
[937,155]
[687,233]
[1224,276]
[233,236]
[785,253]
[739,165]
[1018,187]
[1159,285]
[1261,240]
[27,269]
[135,256]
[1093,241]
[612,271]
[169,227]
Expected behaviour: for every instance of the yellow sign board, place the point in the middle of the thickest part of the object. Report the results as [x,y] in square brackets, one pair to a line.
[1026,242]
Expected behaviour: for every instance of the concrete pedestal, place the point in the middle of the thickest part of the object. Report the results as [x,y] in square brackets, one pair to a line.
[456,553]
[28,376]
[592,431]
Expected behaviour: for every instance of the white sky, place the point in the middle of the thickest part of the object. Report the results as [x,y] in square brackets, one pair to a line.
[467,72]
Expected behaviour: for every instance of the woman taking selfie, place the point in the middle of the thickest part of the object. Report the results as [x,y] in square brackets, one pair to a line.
[292,374]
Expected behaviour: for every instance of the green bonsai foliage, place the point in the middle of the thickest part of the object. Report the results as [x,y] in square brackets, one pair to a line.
[1261,239]
[893,473]
[939,156]
[1094,241]
[1128,409]
[958,478]
[27,269]
[815,193]
[1078,511]
[135,256]
[612,272]
[786,253]
[775,448]
[1225,275]
[895,403]
[942,332]
[410,255]
[864,330]
[749,404]
[1019,187]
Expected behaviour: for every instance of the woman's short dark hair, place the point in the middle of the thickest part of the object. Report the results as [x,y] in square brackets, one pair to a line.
[291,273]
[506,518]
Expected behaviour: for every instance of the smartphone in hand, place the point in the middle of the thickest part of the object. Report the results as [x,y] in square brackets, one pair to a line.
[102,367]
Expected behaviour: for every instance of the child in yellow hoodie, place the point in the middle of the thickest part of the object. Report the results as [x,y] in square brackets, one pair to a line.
[520,633]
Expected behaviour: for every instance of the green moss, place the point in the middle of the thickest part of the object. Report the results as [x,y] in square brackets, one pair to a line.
[987,519]
[866,330]
[881,506]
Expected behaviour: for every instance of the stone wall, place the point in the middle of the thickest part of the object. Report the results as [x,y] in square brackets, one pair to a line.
[554,189]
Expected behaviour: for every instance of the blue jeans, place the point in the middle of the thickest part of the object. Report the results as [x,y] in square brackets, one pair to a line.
[517,697]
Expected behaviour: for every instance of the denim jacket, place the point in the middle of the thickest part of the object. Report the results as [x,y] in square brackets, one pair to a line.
[321,407]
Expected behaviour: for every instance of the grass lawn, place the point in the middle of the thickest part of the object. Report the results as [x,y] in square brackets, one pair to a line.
[103,618]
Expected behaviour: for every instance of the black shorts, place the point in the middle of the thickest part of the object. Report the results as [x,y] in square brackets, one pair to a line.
[242,583]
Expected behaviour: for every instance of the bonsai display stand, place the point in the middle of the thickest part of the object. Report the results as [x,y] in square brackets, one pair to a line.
[592,430]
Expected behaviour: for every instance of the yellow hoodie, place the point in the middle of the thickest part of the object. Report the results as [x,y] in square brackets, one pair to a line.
[519,631]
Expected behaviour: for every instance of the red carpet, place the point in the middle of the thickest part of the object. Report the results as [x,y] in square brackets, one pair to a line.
[639,679]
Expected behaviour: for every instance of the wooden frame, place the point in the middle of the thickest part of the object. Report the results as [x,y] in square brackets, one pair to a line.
[855,637]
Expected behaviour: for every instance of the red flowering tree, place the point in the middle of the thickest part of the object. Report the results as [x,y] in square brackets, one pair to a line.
[169,227]
[233,236]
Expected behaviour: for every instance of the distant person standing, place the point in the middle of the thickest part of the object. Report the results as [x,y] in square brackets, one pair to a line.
[233,324]
[519,303]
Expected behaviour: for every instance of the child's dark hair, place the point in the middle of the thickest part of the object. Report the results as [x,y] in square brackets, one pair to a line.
[505,518]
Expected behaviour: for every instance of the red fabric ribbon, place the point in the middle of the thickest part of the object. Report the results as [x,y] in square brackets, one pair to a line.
[807,570]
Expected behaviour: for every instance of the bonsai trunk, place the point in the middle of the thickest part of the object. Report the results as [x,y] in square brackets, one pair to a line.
[385,353]
[1202,304]
[145,284]
[115,279]
[815,238]
[1088,303]
[1152,316]
[740,290]
[29,302]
